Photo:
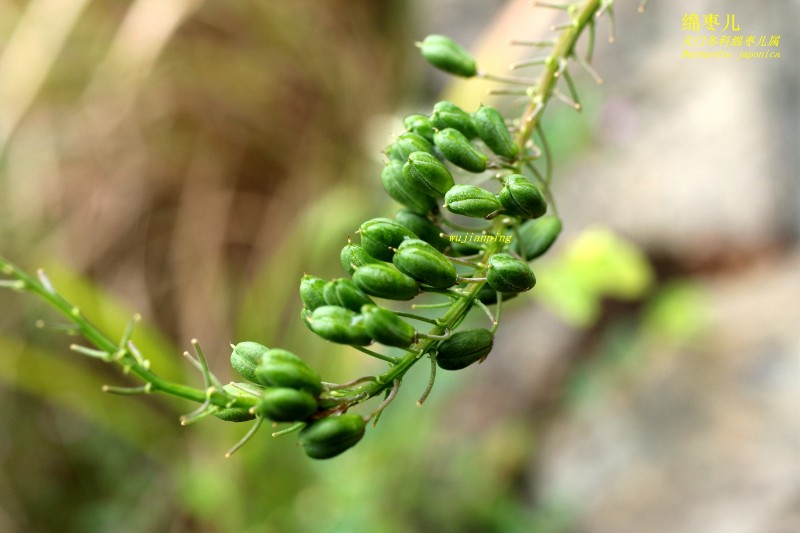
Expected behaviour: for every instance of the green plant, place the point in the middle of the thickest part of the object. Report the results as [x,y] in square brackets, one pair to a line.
[398,259]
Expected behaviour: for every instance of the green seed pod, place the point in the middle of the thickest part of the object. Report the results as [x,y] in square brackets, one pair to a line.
[509,274]
[237,414]
[426,174]
[397,187]
[339,325]
[387,328]
[488,295]
[423,228]
[246,356]
[447,55]
[464,348]
[471,201]
[449,115]
[311,291]
[406,144]
[462,249]
[424,263]
[380,235]
[344,293]
[282,404]
[492,130]
[537,236]
[419,124]
[385,281]
[305,315]
[281,368]
[352,257]
[330,436]
[459,151]
[522,198]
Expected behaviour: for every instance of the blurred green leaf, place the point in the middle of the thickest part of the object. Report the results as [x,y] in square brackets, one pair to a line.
[598,264]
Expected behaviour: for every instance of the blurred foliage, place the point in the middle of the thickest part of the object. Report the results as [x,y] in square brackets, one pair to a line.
[192,159]
[598,264]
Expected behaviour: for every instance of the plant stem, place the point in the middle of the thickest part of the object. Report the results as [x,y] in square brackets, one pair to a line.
[563,49]
[121,354]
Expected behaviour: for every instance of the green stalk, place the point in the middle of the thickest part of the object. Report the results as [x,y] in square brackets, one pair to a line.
[564,48]
[121,354]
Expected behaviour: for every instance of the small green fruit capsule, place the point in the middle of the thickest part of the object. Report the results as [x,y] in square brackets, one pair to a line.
[537,236]
[463,249]
[246,356]
[281,368]
[311,291]
[397,187]
[419,124]
[352,257]
[387,328]
[464,348]
[424,263]
[237,414]
[282,404]
[344,293]
[423,228]
[406,144]
[449,115]
[459,151]
[426,174]
[509,274]
[339,325]
[380,235]
[305,315]
[488,295]
[522,198]
[447,55]
[385,281]
[492,130]
[471,201]
[330,436]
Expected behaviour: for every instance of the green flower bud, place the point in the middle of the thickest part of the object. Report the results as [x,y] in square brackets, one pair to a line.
[339,325]
[471,201]
[423,228]
[419,124]
[522,198]
[397,187]
[282,404]
[488,295]
[492,130]
[281,368]
[380,235]
[509,274]
[311,291]
[464,348]
[537,236]
[447,55]
[237,414]
[387,328]
[330,436]
[344,293]
[246,356]
[425,264]
[384,281]
[352,257]
[449,115]
[459,151]
[426,174]
[406,144]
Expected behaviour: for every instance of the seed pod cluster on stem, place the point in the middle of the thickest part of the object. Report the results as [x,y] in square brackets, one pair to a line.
[476,208]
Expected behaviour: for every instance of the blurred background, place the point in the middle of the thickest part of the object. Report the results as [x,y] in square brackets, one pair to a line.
[189,160]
